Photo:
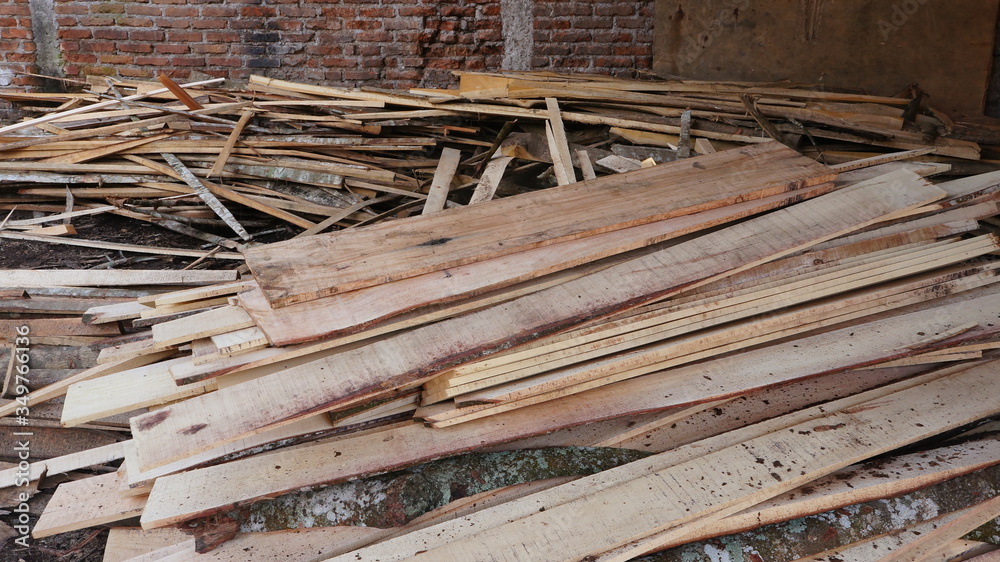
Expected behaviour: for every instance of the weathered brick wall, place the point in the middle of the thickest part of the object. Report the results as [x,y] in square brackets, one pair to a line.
[401,43]
[605,37]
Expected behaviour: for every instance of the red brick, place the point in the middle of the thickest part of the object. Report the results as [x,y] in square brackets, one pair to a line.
[181,12]
[146,35]
[62,9]
[187,61]
[210,48]
[174,23]
[15,33]
[179,36]
[117,60]
[258,12]
[135,22]
[222,36]
[98,46]
[135,72]
[134,9]
[106,8]
[152,61]
[113,34]
[66,22]
[135,47]
[224,61]
[219,11]
[171,49]
[209,24]
[96,22]
[74,34]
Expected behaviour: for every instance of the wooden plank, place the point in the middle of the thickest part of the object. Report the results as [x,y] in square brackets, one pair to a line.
[125,391]
[227,149]
[205,194]
[110,277]
[586,167]
[559,146]
[247,339]
[854,485]
[412,357]
[63,464]
[41,327]
[58,389]
[137,248]
[932,545]
[437,194]
[177,90]
[201,325]
[195,294]
[100,152]
[135,348]
[127,542]
[490,180]
[293,545]
[544,217]
[336,314]
[86,503]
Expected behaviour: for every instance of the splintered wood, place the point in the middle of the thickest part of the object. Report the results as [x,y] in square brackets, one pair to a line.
[751,325]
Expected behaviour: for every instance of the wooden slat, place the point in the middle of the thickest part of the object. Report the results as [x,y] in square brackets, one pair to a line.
[858,484]
[201,325]
[425,244]
[411,357]
[437,194]
[110,277]
[125,391]
[63,464]
[127,542]
[86,503]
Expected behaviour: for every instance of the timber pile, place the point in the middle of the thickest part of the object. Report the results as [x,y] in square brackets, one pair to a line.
[227,166]
[738,332]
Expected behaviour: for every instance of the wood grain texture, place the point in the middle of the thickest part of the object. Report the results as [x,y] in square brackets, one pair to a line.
[302,269]
[85,503]
[205,490]
[354,310]
[725,481]
[110,278]
[409,358]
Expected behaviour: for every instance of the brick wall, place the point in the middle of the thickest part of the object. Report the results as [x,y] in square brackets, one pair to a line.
[401,43]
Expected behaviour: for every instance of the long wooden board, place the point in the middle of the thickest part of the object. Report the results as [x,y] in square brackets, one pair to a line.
[683,485]
[85,503]
[125,391]
[302,269]
[336,314]
[409,358]
[110,277]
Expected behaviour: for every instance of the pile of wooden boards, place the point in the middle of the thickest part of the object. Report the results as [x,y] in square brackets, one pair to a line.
[749,323]
[710,333]
[225,166]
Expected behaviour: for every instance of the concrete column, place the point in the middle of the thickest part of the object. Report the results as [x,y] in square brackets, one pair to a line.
[518,20]
[43,27]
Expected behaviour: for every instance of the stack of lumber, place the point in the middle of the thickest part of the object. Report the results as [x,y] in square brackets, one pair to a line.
[749,323]
[680,350]
[227,166]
